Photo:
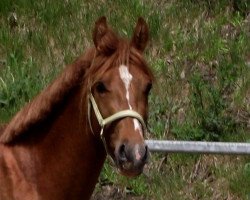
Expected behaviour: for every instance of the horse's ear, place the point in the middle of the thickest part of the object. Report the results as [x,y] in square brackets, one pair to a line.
[141,35]
[104,38]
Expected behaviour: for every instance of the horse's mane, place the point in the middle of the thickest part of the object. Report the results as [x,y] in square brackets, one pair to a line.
[42,105]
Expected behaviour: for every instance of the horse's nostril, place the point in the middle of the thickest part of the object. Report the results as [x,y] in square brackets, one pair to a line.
[137,154]
[122,153]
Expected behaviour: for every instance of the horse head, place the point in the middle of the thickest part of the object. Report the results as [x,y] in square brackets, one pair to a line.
[119,86]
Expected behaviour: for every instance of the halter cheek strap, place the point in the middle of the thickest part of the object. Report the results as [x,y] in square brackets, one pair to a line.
[119,115]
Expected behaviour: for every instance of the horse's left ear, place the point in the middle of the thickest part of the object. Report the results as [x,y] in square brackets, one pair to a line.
[141,35]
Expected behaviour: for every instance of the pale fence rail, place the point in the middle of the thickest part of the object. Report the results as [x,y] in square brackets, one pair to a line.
[172,146]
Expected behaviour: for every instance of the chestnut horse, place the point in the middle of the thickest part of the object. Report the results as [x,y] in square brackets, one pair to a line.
[55,146]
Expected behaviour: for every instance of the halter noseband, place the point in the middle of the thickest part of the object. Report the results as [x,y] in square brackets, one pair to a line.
[119,115]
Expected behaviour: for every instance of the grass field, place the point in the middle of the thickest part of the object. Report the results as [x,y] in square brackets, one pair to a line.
[200,54]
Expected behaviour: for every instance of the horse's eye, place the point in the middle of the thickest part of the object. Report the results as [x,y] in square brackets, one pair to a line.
[148,88]
[100,87]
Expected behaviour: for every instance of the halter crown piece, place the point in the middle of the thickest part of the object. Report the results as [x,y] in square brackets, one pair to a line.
[119,115]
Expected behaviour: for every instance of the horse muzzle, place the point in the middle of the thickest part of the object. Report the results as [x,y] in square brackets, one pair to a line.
[130,159]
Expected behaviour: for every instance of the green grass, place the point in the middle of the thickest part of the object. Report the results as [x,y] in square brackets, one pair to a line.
[198,52]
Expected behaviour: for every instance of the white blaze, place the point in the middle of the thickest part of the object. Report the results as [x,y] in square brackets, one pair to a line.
[127,78]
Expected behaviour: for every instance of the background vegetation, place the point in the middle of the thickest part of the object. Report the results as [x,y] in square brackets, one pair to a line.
[200,53]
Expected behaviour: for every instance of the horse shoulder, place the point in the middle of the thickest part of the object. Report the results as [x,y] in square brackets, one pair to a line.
[5,183]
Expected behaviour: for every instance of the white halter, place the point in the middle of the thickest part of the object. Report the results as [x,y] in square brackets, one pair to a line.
[119,115]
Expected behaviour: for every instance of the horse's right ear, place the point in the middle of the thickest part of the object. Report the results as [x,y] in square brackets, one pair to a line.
[104,38]
[141,35]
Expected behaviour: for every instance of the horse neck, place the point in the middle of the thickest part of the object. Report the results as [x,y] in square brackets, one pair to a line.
[65,147]
[69,126]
